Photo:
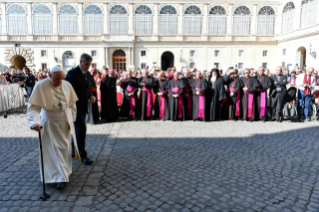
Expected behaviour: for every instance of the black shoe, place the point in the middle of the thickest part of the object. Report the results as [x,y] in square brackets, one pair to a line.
[61,185]
[87,161]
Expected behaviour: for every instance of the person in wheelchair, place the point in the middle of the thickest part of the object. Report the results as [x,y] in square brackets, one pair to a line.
[290,107]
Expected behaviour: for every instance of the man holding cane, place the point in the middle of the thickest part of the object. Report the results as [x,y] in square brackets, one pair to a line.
[53,106]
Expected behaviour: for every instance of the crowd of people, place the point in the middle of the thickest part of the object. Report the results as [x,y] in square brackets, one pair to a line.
[250,95]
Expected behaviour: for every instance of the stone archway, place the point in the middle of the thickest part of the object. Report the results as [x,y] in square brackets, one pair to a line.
[301,57]
[167,60]
[19,57]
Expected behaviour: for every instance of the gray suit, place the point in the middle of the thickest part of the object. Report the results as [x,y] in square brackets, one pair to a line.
[276,96]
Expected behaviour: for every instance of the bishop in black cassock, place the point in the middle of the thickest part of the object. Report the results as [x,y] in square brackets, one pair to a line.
[147,84]
[234,88]
[199,87]
[162,98]
[265,83]
[109,109]
[176,105]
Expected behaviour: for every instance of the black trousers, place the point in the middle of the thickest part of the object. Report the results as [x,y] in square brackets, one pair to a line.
[277,104]
[80,131]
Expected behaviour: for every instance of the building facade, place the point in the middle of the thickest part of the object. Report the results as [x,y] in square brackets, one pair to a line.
[137,34]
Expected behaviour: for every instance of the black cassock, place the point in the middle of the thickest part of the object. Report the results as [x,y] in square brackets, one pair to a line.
[249,103]
[234,105]
[95,110]
[146,97]
[188,100]
[265,83]
[218,94]
[162,101]
[176,106]
[130,108]
[156,104]
[199,101]
[109,109]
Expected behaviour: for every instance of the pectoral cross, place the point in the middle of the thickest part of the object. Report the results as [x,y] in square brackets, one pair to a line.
[60,105]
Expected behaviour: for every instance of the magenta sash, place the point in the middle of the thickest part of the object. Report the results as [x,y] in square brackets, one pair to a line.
[162,105]
[250,104]
[201,104]
[148,102]
[237,101]
[189,102]
[262,103]
[180,102]
[132,100]
[229,89]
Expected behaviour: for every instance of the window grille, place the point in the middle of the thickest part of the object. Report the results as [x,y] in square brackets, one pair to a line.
[309,9]
[42,20]
[143,20]
[241,21]
[17,20]
[217,23]
[287,24]
[266,21]
[68,20]
[118,21]
[192,21]
[93,20]
[168,21]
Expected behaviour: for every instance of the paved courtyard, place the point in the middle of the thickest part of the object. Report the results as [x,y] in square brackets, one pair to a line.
[166,166]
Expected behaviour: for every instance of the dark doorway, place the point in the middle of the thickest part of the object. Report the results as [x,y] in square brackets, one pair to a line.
[167,60]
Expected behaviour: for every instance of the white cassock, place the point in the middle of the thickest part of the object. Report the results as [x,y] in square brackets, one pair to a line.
[54,108]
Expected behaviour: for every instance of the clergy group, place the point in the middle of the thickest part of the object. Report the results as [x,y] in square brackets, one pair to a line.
[197,95]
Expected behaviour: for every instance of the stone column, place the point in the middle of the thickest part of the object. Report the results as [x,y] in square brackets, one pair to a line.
[106,19]
[4,22]
[131,19]
[106,57]
[80,21]
[29,22]
[229,21]
[253,23]
[128,60]
[155,20]
[180,16]
[55,21]
[297,18]
[278,21]
[204,21]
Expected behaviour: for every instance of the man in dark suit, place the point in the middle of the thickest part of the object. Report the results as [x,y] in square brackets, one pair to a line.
[79,78]
[278,93]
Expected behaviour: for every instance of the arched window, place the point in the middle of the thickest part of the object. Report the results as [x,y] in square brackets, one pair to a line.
[93,20]
[118,20]
[42,20]
[143,20]
[168,22]
[192,21]
[68,20]
[217,21]
[309,10]
[17,20]
[266,21]
[288,13]
[241,21]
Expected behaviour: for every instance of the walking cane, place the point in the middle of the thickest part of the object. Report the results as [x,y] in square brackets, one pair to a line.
[44,196]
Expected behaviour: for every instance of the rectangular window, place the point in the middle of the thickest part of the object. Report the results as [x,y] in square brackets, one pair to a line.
[118,24]
[241,25]
[94,65]
[265,53]
[264,65]
[93,53]
[217,25]
[266,25]
[43,53]
[143,53]
[240,53]
[17,24]
[192,25]
[287,22]
[240,65]
[93,24]
[284,52]
[216,54]
[17,45]
[216,65]
[44,66]
[42,24]
[143,24]
[192,53]
[68,24]
[191,65]
[283,64]
[143,65]
[168,24]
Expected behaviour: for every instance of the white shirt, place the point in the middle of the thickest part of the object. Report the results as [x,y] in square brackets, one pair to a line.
[3,80]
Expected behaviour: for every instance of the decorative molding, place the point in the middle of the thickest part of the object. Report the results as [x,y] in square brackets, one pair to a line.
[18,38]
[26,53]
[128,38]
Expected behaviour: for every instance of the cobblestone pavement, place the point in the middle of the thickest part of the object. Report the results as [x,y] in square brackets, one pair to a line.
[166,166]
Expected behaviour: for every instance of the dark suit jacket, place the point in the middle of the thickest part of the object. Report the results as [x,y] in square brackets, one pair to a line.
[281,83]
[82,89]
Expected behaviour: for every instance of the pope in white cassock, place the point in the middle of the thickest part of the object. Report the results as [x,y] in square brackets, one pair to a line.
[53,106]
